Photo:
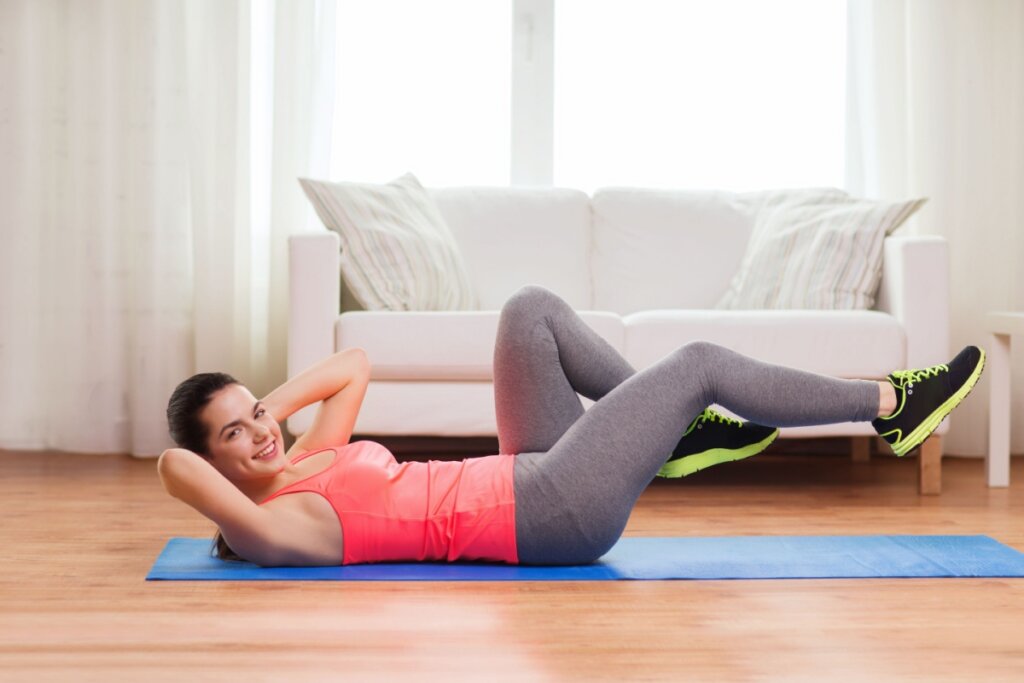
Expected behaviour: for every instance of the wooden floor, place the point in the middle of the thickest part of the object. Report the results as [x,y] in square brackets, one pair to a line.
[80,533]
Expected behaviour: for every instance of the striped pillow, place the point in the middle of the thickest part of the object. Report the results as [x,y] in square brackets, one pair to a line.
[397,252]
[813,248]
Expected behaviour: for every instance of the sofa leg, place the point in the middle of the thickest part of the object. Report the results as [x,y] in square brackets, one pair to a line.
[860,448]
[929,480]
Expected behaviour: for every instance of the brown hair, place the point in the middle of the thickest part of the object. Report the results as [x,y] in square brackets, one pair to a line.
[188,431]
[222,550]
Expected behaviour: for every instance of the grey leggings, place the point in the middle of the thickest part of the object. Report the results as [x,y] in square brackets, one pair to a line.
[578,473]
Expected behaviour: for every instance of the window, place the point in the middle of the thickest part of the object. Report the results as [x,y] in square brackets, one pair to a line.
[423,87]
[729,94]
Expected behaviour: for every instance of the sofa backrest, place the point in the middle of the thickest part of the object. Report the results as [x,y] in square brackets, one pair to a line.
[665,248]
[514,236]
[623,250]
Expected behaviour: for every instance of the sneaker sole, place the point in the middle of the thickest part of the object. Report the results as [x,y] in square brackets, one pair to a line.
[932,422]
[698,461]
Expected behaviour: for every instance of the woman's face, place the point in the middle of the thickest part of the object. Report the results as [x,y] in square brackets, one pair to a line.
[240,429]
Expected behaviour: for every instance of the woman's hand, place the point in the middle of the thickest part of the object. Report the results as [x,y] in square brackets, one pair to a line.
[340,381]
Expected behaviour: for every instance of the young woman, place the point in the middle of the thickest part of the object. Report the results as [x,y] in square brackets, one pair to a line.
[565,480]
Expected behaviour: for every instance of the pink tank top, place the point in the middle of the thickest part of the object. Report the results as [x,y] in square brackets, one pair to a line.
[414,511]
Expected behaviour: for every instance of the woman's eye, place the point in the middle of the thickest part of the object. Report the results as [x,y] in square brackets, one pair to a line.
[260,412]
[231,434]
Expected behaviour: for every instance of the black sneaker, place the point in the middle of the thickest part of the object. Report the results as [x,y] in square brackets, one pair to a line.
[924,397]
[713,438]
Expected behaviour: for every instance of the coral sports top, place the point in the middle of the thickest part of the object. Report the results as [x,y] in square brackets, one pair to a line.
[413,511]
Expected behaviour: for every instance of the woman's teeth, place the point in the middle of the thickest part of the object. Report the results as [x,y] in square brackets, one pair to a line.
[269,450]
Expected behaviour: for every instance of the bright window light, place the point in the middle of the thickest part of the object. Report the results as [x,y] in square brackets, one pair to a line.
[423,87]
[727,94]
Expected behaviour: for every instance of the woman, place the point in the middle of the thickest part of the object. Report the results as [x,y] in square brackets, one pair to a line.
[565,480]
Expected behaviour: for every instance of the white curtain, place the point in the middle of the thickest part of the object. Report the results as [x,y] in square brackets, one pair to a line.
[936,108]
[148,160]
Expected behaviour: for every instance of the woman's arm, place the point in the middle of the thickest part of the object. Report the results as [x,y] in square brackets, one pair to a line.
[252,531]
[340,381]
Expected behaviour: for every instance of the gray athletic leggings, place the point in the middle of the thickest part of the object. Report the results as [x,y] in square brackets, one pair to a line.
[578,473]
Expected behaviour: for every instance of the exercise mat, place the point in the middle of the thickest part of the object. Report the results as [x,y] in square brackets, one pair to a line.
[648,557]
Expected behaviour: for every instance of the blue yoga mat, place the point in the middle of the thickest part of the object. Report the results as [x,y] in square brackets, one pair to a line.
[636,557]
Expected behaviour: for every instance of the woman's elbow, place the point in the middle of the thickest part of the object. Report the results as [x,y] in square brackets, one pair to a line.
[354,364]
[165,467]
[356,355]
[171,466]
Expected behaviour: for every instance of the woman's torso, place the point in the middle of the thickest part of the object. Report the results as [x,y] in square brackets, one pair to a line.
[356,503]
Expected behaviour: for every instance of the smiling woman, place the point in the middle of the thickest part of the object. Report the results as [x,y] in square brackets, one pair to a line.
[230,452]
[562,487]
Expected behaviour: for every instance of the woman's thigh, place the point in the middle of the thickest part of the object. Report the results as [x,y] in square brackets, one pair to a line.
[544,355]
[574,500]
[559,526]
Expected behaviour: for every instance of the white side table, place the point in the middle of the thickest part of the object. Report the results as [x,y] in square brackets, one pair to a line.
[1002,326]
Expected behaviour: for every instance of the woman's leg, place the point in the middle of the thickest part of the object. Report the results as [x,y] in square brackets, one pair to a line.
[573,502]
[544,354]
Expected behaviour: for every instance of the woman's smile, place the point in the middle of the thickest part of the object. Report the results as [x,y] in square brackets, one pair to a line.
[268,452]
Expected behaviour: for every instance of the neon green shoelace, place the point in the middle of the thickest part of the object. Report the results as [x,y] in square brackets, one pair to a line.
[711,416]
[918,375]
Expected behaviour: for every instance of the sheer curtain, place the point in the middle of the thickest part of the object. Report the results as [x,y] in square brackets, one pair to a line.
[148,160]
[936,104]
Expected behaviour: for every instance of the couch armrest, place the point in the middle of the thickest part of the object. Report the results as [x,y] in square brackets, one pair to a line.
[314,302]
[915,289]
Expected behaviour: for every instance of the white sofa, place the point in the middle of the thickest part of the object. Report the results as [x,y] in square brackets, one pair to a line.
[643,267]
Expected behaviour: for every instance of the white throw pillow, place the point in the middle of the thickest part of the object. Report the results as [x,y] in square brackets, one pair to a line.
[397,252]
[816,248]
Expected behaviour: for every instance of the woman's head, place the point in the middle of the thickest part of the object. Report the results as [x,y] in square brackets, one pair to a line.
[215,416]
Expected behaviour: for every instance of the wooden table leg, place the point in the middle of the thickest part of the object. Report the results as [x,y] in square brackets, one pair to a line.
[997,458]
[929,479]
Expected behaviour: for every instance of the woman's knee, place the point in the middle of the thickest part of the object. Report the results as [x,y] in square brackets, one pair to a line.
[700,352]
[531,294]
[530,301]
[699,363]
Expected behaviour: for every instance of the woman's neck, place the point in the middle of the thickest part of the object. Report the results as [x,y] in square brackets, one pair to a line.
[258,489]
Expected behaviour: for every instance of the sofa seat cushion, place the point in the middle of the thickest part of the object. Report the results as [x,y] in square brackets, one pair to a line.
[440,345]
[849,344]
[434,408]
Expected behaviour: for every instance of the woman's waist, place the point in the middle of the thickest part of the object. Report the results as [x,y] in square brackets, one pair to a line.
[448,536]
[445,514]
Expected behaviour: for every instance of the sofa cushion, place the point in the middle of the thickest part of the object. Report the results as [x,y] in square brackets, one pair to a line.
[440,345]
[850,344]
[515,236]
[397,253]
[434,408]
[814,248]
[665,248]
